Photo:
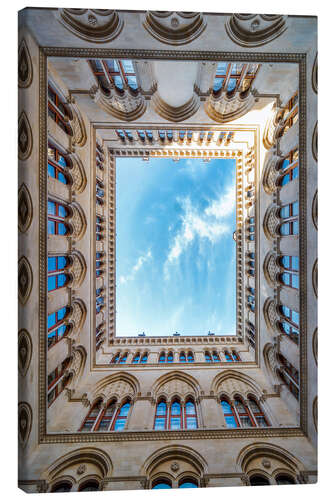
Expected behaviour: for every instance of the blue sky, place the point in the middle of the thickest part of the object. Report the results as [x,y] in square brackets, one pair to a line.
[176,257]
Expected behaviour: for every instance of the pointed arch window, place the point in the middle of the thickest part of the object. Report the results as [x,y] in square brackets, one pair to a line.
[244,416]
[289,168]
[289,375]
[108,418]
[258,413]
[290,114]
[175,421]
[182,357]
[289,276]
[250,334]
[144,358]
[289,323]
[162,357]
[115,358]
[161,415]
[188,483]
[56,328]
[57,381]
[58,164]
[190,357]
[91,419]
[208,357]
[161,484]
[56,275]
[234,76]
[56,215]
[123,359]
[228,356]
[229,414]
[121,417]
[136,358]
[170,357]
[58,111]
[251,228]
[235,356]
[284,479]
[190,416]
[259,480]
[119,73]
[99,157]
[216,357]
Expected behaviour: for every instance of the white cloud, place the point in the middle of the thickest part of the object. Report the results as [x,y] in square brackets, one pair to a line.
[137,266]
[203,225]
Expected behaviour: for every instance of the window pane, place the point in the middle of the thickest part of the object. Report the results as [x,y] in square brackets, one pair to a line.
[188,484]
[175,408]
[159,424]
[120,424]
[52,263]
[62,229]
[190,408]
[51,283]
[124,410]
[161,486]
[62,211]
[226,407]
[175,423]
[294,263]
[232,84]
[62,262]
[246,422]
[51,320]
[191,423]
[127,65]
[132,82]
[295,317]
[62,178]
[294,281]
[231,422]
[221,68]
[51,208]
[118,82]
[61,280]
[161,409]
[51,170]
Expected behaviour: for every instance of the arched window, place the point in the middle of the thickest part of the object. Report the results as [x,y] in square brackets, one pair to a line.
[182,357]
[208,357]
[289,168]
[162,357]
[289,323]
[190,357]
[228,356]
[90,485]
[121,417]
[188,482]
[56,215]
[229,414]
[258,480]
[91,419]
[105,419]
[99,157]
[56,275]
[99,302]
[216,357]
[57,166]
[56,329]
[99,263]
[58,111]
[190,420]
[289,214]
[235,356]
[258,413]
[99,191]
[136,358]
[251,302]
[56,381]
[62,487]
[144,358]
[251,264]
[161,416]
[99,228]
[289,375]
[115,358]
[170,357]
[175,415]
[250,334]
[99,335]
[250,226]
[119,73]
[244,415]
[290,114]
[123,359]
[161,484]
[284,479]
[289,276]
[234,76]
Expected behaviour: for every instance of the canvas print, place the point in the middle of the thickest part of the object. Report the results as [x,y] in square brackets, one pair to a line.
[167,268]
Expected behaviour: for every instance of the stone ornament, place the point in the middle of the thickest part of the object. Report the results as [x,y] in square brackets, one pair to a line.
[77,316]
[79,130]
[78,221]
[24,351]
[253,30]
[25,71]
[271,269]
[315,75]
[175,28]
[266,463]
[81,469]
[270,175]
[224,109]
[92,25]
[174,466]
[124,106]
[175,114]
[271,222]
[24,137]
[24,423]
[25,211]
[24,280]
[315,142]
[270,313]
[78,174]
[78,269]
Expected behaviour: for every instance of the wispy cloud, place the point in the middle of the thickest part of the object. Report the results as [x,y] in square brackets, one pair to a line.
[208,224]
[137,266]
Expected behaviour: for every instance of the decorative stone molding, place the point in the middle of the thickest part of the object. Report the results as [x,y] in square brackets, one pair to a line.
[79,137]
[125,106]
[175,114]
[120,386]
[24,280]
[271,314]
[24,351]
[224,109]
[315,412]
[78,221]
[77,269]
[77,317]
[269,354]
[315,278]
[24,423]
[79,357]
[175,28]
[92,25]
[78,175]
[270,174]
[315,142]
[315,75]
[98,458]
[24,137]
[271,222]
[25,71]
[253,30]
[271,269]
[25,210]
[315,345]
[315,210]
[269,136]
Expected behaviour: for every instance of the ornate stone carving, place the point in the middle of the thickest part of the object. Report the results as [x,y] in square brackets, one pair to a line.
[24,280]
[270,313]
[124,106]
[266,463]
[269,136]
[78,221]
[93,25]
[176,386]
[78,269]
[119,389]
[79,357]
[24,137]
[271,222]
[81,469]
[78,174]
[77,316]
[315,75]
[77,123]
[253,30]
[315,210]
[175,28]
[315,142]
[25,71]
[24,351]
[174,466]
[271,269]
[270,174]
[25,210]
[175,114]
[224,109]
[24,423]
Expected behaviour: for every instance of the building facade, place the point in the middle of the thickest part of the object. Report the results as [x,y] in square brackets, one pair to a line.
[103,412]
